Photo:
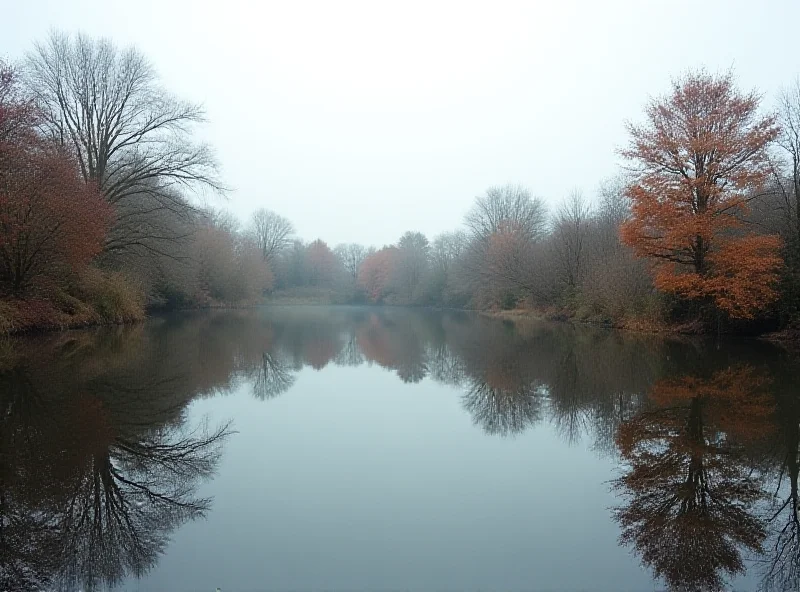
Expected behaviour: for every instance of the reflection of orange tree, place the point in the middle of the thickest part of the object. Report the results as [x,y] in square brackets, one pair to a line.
[320,351]
[376,343]
[395,346]
[689,488]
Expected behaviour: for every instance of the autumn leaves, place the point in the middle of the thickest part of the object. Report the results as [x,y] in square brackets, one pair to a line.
[52,223]
[698,160]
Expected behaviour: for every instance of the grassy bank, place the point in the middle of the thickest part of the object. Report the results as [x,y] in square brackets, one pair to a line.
[96,298]
[647,323]
[308,295]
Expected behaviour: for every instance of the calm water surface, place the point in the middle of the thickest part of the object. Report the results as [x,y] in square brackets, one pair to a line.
[385,449]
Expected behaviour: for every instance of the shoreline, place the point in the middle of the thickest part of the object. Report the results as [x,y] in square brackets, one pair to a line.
[642,327]
[76,322]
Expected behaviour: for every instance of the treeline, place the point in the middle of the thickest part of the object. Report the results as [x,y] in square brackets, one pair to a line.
[511,251]
[702,230]
[101,180]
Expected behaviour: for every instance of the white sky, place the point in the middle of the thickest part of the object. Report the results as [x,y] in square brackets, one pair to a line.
[361,120]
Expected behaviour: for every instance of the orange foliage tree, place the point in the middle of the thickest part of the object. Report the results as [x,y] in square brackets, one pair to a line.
[376,273]
[321,263]
[698,159]
[52,223]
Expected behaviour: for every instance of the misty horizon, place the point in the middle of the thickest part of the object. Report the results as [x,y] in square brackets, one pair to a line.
[405,115]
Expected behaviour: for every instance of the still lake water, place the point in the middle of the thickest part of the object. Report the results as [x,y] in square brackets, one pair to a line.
[338,448]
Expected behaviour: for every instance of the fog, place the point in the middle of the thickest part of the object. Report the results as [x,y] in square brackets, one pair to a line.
[361,120]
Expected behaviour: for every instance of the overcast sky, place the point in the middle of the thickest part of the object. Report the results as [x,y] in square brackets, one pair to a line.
[359,121]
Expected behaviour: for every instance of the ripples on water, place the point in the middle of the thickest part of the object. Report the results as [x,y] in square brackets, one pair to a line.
[113,441]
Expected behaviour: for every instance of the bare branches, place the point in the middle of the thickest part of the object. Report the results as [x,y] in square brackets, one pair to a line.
[272,232]
[129,135]
[351,255]
[789,143]
[571,230]
[504,205]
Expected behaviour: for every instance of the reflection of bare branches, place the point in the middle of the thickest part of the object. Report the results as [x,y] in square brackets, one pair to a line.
[274,377]
[504,412]
[95,475]
[350,355]
[782,566]
[128,498]
[28,545]
[445,365]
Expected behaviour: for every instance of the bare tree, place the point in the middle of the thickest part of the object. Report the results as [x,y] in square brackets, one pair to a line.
[414,251]
[447,248]
[614,282]
[787,174]
[130,136]
[272,232]
[351,255]
[509,205]
[571,228]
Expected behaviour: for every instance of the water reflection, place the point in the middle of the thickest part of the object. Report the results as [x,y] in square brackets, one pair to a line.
[510,376]
[781,561]
[691,487]
[99,465]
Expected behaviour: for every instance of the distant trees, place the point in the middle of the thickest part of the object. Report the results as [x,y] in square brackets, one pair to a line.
[271,232]
[504,225]
[615,283]
[230,264]
[699,158]
[787,177]
[52,224]
[321,264]
[571,229]
[413,253]
[447,252]
[351,256]
[504,206]
[376,273]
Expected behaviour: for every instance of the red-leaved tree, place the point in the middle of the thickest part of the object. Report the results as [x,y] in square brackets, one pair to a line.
[376,273]
[700,156]
[321,263]
[52,223]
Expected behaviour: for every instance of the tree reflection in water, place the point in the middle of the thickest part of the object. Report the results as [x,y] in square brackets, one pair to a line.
[96,471]
[691,489]
[781,561]
[99,465]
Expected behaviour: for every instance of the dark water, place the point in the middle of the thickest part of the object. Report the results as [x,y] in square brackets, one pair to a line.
[386,449]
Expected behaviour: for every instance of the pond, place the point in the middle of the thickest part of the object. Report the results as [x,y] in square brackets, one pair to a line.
[346,448]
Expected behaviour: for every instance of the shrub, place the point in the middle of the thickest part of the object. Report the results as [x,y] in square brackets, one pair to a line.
[114,297]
